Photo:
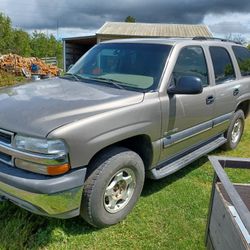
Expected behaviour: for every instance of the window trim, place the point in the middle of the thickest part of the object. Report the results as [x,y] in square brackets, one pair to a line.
[231,60]
[205,59]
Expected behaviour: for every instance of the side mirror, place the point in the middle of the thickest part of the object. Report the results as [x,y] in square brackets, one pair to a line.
[187,85]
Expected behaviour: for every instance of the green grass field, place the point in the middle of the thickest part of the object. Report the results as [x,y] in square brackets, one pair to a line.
[171,214]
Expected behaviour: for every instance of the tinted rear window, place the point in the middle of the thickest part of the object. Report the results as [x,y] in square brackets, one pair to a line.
[223,67]
[243,58]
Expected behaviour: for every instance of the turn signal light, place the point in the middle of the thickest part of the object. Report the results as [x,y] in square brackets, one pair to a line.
[57,170]
[42,169]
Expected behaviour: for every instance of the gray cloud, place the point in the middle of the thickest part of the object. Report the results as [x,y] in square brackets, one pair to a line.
[47,14]
[230,27]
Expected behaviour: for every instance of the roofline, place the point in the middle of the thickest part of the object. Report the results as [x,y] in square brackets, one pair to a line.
[209,30]
[167,24]
[189,24]
[146,36]
[79,37]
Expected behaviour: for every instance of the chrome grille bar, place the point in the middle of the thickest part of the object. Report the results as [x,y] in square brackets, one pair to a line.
[6,139]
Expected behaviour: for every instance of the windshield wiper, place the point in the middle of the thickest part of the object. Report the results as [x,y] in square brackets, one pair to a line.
[108,80]
[75,76]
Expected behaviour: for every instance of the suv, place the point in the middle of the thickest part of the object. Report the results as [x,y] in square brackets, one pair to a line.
[83,143]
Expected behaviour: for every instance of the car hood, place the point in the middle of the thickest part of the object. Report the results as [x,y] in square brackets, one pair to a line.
[38,108]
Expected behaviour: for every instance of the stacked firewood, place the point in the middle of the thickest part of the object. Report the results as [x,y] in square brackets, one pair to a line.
[19,65]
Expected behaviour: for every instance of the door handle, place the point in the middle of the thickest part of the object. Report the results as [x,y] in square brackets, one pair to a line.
[210,99]
[236,92]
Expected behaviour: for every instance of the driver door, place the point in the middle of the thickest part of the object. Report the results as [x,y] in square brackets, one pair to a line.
[190,116]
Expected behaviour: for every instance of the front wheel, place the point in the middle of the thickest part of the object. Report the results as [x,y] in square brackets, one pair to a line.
[113,187]
[235,130]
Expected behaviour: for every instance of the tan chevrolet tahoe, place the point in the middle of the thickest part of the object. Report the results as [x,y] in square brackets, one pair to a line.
[83,143]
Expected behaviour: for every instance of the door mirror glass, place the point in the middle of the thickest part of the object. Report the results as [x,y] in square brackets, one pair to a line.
[186,85]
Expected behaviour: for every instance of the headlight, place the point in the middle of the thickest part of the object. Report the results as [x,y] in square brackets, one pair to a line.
[42,146]
[54,155]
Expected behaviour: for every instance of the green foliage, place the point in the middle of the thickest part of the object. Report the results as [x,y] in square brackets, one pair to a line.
[6,35]
[39,44]
[46,46]
[19,42]
[130,19]
[229,71]
[248,46]
[8,79]
[245,65]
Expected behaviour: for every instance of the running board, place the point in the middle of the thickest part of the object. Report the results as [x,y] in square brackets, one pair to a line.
[185,160]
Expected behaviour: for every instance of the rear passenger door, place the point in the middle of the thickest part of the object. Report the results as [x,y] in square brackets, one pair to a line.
[226,87]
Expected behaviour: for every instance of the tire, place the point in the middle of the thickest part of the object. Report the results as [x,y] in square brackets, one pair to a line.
[235,130]
[113,187]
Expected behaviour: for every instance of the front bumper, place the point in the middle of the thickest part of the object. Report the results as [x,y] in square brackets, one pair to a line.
[58,197]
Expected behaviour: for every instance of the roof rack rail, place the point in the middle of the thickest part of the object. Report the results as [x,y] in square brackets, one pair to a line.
[204,38]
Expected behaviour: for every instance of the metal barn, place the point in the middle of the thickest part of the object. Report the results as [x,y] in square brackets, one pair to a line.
[75,47]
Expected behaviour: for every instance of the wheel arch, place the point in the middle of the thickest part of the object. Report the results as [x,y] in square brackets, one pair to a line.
[245,107]
[140,144]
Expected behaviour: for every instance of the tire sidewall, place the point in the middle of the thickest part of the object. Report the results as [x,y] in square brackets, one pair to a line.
[238,115]
[128,159]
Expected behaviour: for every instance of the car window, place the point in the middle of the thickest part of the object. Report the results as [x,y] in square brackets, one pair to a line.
[243,58]
[223,67]
[132,65]
[191,62]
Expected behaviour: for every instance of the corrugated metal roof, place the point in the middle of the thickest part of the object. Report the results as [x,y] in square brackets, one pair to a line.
[153,30]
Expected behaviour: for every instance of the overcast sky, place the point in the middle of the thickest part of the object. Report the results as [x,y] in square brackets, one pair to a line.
[81,17]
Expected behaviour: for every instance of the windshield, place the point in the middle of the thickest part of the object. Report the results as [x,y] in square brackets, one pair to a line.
[129,65]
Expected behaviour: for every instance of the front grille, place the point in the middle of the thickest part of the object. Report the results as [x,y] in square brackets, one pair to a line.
[5,139]
[5,158]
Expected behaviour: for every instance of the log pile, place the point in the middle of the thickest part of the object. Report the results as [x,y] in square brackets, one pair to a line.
[19,65]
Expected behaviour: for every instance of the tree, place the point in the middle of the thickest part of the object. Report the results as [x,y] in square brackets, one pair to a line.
[6,38]
[39,44]
[55,48]
[248,46]
[130,19]
[236,37]
[21,43]
[46,46]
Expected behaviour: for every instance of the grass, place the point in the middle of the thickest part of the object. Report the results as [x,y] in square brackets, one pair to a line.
[7,79]
[171,214]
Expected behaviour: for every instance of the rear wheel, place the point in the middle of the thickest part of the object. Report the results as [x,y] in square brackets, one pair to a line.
[113,187]
[235,130]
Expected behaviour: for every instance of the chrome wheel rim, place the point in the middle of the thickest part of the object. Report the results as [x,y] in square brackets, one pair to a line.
[236,131]
[119,190]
